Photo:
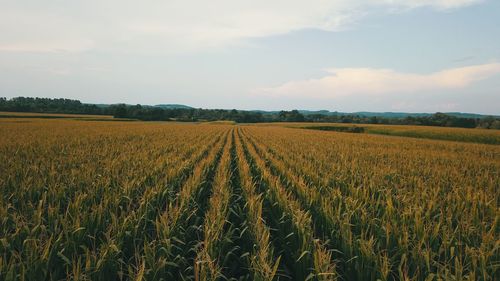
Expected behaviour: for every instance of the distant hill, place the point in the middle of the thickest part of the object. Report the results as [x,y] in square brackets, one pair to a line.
[179,112]
[381,114]
[164,106]
[404,114]
[337,113]
[173,106]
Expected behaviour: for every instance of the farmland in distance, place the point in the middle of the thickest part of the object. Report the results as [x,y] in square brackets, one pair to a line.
[96,200]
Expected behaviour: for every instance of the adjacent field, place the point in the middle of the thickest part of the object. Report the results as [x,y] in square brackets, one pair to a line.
[4,114]
[424,132]
[89,200]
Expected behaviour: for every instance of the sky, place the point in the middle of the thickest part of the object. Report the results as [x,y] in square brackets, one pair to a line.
[338,55]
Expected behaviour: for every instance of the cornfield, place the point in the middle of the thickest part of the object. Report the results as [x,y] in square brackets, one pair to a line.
[96,200]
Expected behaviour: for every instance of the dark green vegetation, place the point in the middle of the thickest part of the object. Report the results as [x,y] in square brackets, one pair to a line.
[47,105]
[345,129]
[186,113]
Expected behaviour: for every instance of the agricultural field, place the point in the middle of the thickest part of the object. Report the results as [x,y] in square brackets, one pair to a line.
[95,200]
[476,135]
[20,116]
[11,115]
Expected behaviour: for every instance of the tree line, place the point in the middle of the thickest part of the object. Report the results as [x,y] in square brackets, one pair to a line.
[153,113]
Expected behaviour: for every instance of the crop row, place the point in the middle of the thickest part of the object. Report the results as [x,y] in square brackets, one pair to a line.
[134,201]
[390,225]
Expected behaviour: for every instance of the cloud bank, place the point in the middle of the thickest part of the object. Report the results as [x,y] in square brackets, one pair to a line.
[371,82]
[177,26]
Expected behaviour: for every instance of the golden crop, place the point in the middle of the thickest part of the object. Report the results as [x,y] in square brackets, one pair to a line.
[102,200]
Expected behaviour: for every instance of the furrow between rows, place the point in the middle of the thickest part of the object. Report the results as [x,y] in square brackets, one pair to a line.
[304,255]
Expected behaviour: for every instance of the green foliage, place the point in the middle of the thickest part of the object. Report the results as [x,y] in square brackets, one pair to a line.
[211,201]
[185,113]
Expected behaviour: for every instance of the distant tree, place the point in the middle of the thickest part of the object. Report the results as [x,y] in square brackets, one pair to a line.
[47,105]
[120,111]
[495,125]
[296,116]
[291,116]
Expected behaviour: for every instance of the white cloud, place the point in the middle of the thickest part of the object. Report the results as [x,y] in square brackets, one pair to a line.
[366,82]
[48,46]
[176,25]
[440,4]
